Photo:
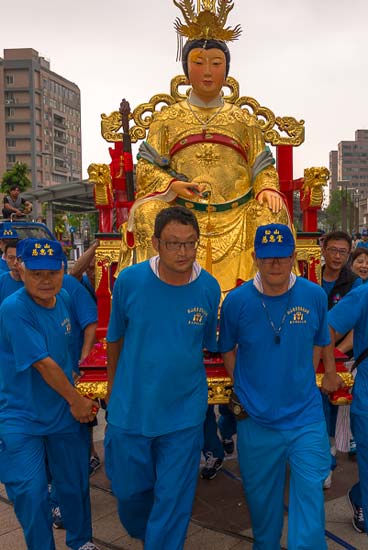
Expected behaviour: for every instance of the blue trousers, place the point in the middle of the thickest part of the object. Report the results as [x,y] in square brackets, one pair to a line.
[263,456]
[359,425]
[226,425]
[227,422]
[23,472]
[154,480]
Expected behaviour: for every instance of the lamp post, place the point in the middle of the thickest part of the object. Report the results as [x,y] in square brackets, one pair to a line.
[356,195]
[343,186]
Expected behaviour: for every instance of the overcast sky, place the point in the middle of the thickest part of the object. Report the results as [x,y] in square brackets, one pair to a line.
[301,58]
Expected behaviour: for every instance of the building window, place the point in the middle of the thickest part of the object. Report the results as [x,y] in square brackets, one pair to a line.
[9,98]
[10,127]
[11,158]
[9,79]
[10,111]
[11,142]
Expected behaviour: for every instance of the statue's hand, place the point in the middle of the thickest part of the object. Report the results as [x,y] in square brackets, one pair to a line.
[187,189]
[272,199]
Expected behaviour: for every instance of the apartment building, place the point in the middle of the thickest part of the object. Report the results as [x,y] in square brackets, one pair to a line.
[349,172]
[40,119]
[349,164]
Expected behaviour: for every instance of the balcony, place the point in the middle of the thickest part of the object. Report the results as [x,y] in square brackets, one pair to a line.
[59,123]
[60,137]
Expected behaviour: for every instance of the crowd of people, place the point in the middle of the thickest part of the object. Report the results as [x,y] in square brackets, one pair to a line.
[273,331]
[158,418]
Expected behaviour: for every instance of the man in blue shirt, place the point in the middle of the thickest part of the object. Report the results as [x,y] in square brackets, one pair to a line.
[363,242]
[272,330]
[352,314]
[42,416]
[164,312]
[10,281]
[337,280]
[7,235]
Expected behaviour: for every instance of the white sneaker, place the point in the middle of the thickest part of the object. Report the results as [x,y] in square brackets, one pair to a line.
[328,481]
[88,546]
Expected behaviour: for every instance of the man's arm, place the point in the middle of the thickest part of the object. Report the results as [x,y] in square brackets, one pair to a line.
[27,206]
[331,380]
[80,407]
[8,206]
[113,354]
[347,343]
[229,362]
[84,261]
[317,351]
[89,340]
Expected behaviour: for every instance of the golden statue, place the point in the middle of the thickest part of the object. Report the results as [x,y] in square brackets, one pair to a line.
[209,155]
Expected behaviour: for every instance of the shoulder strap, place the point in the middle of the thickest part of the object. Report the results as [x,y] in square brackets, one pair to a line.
[359,359]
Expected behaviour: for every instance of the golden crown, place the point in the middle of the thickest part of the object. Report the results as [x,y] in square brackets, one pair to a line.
[208,23]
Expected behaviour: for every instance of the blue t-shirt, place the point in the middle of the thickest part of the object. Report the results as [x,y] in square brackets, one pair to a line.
[3,265]
[160,384]
[87,284]
[275,382]
[352,313]
[328,286]
[8,285]
[83,311]
[30,333]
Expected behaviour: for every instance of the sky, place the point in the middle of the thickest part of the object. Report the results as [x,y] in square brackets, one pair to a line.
[300,58]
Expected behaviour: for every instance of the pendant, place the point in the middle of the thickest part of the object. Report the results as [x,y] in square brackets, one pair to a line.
[277,339]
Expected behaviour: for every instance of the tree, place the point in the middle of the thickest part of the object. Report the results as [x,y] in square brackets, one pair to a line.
[338,212]
[17,175]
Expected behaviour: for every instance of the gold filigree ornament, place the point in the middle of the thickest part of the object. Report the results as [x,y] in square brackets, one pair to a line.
[219,390]
[314,179]
[208,23]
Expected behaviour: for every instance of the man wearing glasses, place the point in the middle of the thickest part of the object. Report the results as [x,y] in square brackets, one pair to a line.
[337,277]
[164,312]
[337,280]
[272,329]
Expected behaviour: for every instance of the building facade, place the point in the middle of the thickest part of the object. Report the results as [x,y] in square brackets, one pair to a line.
[349,173]
[40,119]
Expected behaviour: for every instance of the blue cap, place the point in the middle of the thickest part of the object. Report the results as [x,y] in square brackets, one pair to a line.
[8,232]
[274,240]
[41,254]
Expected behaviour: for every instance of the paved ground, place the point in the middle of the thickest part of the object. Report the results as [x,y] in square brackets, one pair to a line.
[220,519]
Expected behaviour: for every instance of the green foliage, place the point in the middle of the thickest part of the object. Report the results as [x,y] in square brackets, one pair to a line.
[17,175]
[339,199]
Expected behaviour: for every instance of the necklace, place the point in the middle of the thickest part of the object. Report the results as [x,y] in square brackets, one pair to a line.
[205,123]
[277,331]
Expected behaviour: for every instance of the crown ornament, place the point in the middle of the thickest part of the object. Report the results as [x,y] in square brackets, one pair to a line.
[208,22]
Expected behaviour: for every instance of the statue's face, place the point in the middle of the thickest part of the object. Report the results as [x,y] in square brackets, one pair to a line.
[207,72]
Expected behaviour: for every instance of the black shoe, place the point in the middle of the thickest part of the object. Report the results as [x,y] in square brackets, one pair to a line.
[94,464]
[228,445]
[212,466]
[358,516]
[57,520]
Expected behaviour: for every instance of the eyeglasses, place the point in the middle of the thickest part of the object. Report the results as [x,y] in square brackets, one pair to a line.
[268,261]
[337,251]
[175,246]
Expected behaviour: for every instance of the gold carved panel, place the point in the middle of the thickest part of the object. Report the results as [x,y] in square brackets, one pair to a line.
[107,253]
[277,130]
